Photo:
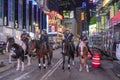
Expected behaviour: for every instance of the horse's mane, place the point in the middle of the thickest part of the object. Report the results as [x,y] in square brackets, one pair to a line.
[36,42]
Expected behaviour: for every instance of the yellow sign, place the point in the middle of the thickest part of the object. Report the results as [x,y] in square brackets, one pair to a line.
[105,2]
[82,16]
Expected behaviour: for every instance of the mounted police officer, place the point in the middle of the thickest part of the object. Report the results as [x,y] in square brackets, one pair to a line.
[25,37]
[69,37]
[44,38]
[84,38]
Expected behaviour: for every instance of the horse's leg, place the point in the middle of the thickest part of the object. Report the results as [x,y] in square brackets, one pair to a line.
[51,56]
[73,63]
[63,61]
[68,62]
[80,58]
[22,59]
[29,59]
[18,64]
[86,62]
[10,58]
[39,61]
[44,64]
[48,58]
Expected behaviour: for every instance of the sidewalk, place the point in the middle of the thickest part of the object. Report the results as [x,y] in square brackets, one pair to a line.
[110,68]
[6,66]
[116,68]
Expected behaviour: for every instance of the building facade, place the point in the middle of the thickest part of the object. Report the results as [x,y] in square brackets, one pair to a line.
[16,15]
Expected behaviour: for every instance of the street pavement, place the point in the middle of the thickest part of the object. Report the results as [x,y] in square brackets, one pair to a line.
[55,72]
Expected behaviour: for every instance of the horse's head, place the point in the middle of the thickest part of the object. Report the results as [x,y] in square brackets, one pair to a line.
[11,40]
[32,45]
[82,48]
[66,46]
[82,43]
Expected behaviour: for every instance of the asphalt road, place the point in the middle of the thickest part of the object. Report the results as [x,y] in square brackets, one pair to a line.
[55,72]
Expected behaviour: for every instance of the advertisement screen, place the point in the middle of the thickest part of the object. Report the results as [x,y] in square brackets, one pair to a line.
[51,24]
[52,28]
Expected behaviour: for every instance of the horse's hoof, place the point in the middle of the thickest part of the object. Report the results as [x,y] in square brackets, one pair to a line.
[63,68]
[68,68]
[39,67]
[44,67]
[80,70]
[17,69]
[87,70]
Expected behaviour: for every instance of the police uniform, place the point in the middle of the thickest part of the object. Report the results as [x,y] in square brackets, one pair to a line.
[44,38]
[69,37]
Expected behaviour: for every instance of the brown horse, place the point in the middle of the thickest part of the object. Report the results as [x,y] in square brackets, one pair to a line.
[83,54]
[41,51]
[67,51]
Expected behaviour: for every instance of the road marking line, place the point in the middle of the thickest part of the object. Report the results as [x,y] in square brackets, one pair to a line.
[22,76]
[50,72]
[43,78]
[54,69]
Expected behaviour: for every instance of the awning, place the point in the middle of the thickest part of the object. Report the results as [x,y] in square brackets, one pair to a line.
[115,20]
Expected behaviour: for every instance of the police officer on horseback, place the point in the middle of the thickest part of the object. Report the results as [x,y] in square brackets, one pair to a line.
[68,36]
[25,37]
[84,38]
[44,38]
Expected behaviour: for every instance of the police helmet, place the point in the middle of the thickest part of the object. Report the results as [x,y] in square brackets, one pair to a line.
[24,30]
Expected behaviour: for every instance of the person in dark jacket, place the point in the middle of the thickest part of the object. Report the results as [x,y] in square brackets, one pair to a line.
[25,37]
[44,38]
[69,37]
[83,37]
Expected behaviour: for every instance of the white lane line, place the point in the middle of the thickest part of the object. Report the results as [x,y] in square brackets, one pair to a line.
[24,75]
[50,72]
[54,69]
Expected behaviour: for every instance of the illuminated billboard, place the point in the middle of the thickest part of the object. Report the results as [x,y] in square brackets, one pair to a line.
[51,24]
[68,14]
